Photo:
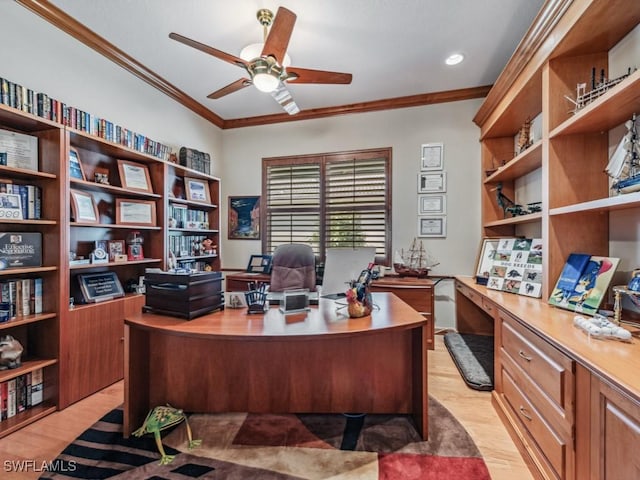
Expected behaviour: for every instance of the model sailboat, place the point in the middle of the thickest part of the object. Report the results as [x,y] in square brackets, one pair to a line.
[624,164]
[416,262]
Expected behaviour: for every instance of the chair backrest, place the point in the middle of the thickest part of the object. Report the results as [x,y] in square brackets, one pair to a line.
[293,266]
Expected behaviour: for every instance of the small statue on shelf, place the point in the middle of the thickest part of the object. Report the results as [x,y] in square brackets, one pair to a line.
[10,352]
[208,248]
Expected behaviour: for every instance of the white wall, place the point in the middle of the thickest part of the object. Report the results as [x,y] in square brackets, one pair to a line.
[45,59]
[405,130]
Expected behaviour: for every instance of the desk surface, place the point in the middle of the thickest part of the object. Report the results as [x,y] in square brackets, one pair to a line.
[329,318]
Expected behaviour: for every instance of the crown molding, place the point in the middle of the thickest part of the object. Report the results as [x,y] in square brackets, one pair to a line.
[538,32]
[77,30]
[80,32]
[387,104]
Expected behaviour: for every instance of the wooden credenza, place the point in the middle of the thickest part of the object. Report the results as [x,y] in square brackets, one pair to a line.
[417,292]
[571,403]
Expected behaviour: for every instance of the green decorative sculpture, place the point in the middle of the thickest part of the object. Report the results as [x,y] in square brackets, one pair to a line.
[161,418]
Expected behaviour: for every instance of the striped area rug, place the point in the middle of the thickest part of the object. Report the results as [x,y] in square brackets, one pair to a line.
[240,446]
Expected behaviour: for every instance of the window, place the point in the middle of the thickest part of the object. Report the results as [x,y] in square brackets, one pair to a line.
[329,200]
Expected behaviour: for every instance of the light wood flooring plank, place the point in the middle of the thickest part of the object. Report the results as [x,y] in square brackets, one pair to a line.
[45,439]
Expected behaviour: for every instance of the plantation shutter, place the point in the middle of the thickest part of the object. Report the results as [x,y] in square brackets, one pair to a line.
[293,205]
[331,200]
[356,207]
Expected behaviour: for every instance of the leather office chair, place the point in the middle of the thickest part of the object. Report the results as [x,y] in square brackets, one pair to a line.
[293,266]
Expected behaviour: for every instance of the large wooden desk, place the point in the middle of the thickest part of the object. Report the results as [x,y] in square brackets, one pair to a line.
[320,361]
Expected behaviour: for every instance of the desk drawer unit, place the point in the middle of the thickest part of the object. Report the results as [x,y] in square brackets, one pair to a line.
[538,384]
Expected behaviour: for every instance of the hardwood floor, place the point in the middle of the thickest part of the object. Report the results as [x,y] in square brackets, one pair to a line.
[45,439]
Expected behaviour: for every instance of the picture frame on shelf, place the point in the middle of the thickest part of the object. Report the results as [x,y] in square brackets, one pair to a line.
[244,218]
[484,262]
[135,212]
[432,182]
[99,287]
[83,207]
[10,207]
[197,190]
[75,165]
[432,157]
[432,227]
[432,204]
[259,264]
[117,251]
[134,176]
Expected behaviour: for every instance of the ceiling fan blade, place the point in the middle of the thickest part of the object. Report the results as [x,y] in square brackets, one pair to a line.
[284,98]
[232,87]
[305,75]
[227,57]
[279,35]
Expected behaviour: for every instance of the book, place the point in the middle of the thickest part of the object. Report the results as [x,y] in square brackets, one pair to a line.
[4,395]
[37,387]
[572,271]
[27,388]
[36,295]
[590,288]
[11,398]
[21,394]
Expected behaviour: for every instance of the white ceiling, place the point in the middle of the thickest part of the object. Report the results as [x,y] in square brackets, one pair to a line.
[393,48]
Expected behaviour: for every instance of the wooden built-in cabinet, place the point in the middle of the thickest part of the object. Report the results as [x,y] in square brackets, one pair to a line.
[80,346]
[571,404]
[38,334]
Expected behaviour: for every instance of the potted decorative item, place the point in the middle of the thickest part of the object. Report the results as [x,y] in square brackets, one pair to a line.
[359,303]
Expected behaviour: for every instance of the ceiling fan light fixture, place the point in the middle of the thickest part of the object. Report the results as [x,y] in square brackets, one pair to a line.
[265,82]
[253,51]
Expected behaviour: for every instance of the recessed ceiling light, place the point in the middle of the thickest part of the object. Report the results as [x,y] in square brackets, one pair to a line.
[454,59]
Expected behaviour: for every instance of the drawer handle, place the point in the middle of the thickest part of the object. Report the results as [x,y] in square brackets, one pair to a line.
[488,308]
[524,355]
[524,413]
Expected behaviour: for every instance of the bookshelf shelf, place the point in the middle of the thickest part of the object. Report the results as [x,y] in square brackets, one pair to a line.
[192,203]
[25,174]
[520,219]
[526,162]
[86,266]
[97,187]
[114,226]
[23,419]
[27,366]
[29,222]
[19,271]
[26,320]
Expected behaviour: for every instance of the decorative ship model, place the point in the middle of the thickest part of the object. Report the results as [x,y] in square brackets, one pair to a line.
[584,98]
[624,164]
[416,262]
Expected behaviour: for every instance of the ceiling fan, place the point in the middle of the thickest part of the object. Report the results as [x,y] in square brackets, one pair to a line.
[268,70]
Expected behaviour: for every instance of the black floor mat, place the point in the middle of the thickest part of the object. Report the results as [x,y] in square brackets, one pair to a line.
[473,355]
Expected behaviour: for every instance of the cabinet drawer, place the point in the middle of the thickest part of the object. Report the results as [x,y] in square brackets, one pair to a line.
[472,295]
[419,297]
[489,307]
[549,368]
[551,447]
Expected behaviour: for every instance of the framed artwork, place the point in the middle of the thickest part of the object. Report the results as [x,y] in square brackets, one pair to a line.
[432,204]
[488,248]
[197,190]
[134,176]
[117,250]
[517,266]
[83,207]
[98,287]
[75,165]
[259,264]
[432,156]
[10,206]
[432,182]
[135,212]
[583,283]
[432,226]
[244,218]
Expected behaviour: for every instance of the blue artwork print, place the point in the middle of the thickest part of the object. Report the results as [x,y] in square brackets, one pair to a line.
[244,218]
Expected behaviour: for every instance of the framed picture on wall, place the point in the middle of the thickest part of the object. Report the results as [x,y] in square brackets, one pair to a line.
[432,204]
[432,182]
[432,156]
[244,218]
[432,226]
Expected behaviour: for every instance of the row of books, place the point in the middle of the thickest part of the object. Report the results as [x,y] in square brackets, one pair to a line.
[21,393]
[194,266]
[25,99]
[24,296]
[187,218]
[30,198]
[186,245]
